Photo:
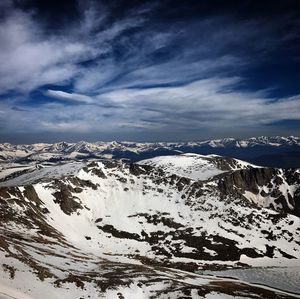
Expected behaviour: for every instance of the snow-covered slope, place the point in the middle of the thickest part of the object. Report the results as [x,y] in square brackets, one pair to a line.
[194,166]
[116,230]
[41,172]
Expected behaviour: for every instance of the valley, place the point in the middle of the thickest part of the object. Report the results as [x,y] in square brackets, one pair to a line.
[113,229]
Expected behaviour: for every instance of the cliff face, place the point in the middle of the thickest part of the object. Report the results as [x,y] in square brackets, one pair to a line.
[278,189]
[249,180]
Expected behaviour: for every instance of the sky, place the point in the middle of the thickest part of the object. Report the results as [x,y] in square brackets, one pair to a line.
[162,70]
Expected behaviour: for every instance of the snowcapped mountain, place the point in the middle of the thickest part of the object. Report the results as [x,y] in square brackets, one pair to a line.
[109,229]
[268,151]
[253,141]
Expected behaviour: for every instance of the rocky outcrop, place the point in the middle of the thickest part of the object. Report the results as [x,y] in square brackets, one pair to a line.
[64,197]
[30,194]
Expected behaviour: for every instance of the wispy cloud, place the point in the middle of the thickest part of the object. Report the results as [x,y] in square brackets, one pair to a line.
[80,99]
[69,97]
[111,71]
[30,57]
[30,60]
[205,104]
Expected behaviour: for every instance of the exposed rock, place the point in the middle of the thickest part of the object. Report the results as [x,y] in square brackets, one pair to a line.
[253,179]
[68,203]
[137,170]
[30,194]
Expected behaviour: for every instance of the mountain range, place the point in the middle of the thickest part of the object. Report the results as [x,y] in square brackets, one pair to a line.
[281,152]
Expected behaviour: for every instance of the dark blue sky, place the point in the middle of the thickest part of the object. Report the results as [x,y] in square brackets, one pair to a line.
[148,70]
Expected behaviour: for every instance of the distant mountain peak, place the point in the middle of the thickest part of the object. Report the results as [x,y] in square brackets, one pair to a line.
[245,149]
